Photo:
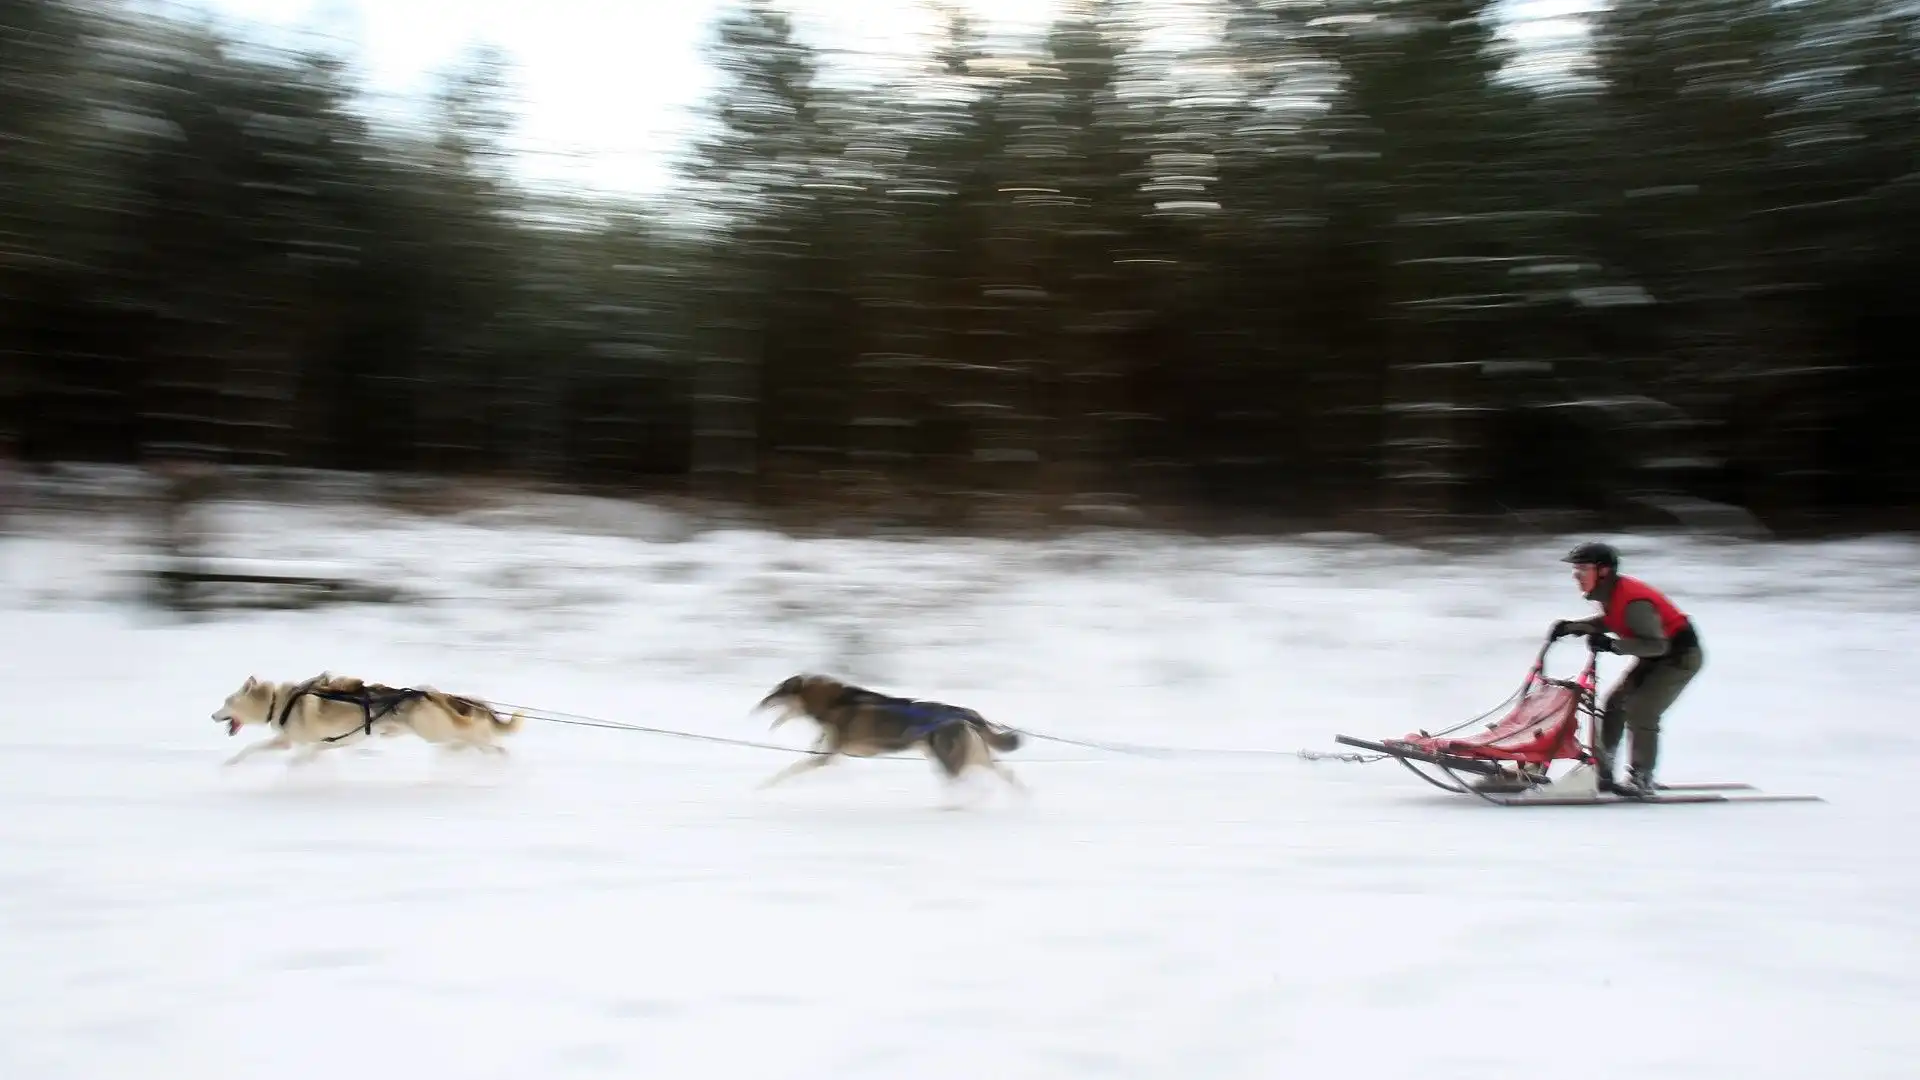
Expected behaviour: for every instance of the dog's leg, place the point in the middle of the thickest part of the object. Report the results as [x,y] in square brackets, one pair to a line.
[950,760]
[962,790]
[484,746]
[1006,774]
[478,741]
[313,750]
[278,742]
[980,755]
[308,753]
[805,764]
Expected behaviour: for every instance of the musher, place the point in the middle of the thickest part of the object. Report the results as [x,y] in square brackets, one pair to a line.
[1666,648]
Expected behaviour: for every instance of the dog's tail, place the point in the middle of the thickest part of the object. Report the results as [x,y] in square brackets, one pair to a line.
[1001,739]
[473,710]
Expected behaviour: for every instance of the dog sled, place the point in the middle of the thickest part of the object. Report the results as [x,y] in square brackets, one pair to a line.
[1510,762]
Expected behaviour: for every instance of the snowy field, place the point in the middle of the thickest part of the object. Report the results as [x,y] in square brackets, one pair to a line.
[615,904]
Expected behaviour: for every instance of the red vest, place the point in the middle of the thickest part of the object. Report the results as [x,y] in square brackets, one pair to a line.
[1625,591]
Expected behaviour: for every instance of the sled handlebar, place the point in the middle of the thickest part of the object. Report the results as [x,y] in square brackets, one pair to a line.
[1540,658]
[1548,643]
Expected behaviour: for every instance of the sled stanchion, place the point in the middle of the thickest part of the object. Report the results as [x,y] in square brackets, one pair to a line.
[1405,752]
[1451,784]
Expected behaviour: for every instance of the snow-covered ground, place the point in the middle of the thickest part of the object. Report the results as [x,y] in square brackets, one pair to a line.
[614,904]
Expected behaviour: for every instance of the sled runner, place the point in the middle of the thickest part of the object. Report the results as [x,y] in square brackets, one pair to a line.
[1508,763]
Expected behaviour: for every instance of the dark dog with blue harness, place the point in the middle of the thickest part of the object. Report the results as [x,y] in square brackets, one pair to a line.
[858,722]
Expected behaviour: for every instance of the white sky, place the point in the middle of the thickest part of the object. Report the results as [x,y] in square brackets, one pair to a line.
[608,89]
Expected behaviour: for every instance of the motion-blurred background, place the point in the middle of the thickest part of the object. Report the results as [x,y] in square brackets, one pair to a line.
[1409,264]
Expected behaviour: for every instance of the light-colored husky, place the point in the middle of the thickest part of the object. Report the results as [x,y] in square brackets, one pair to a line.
[330,711]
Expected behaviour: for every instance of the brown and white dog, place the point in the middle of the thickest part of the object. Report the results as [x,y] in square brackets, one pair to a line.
[330,711]
[857,722]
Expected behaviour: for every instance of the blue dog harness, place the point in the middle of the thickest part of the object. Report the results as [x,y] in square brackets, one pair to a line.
[927,717]
[923,717]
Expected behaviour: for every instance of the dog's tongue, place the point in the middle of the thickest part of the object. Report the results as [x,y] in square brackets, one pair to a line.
[233,728]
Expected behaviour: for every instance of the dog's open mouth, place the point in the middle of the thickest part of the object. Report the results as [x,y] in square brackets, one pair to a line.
[233,727]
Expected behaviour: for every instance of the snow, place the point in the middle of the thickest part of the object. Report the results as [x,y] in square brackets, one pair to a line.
[609,903]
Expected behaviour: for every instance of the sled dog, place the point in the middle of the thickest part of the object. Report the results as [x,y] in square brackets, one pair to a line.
[858,722]
[330,711]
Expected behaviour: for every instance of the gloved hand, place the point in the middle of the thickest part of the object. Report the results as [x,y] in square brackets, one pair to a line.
[1599,642]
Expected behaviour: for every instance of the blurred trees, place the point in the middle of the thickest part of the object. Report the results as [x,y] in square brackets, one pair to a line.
[1277,257]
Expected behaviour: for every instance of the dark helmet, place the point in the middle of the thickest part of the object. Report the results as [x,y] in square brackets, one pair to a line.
[1596,554]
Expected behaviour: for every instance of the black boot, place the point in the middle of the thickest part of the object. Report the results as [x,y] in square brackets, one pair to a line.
[1603,773]
[1646,752]
[1639,784]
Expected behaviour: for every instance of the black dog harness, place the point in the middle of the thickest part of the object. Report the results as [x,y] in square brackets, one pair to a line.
[372,706]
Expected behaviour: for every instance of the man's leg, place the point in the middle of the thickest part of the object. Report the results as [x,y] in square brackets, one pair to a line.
[1613,720]
[1649,706]
[1644,704]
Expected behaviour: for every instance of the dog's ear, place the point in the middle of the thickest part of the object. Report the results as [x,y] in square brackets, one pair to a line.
[252,681]
[789,685]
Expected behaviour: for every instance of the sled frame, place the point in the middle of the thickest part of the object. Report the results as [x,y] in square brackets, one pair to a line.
[1577,787]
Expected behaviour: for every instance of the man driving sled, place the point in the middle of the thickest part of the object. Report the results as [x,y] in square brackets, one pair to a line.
[1666,651]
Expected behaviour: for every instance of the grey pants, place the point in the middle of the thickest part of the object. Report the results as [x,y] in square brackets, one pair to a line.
[1639,702]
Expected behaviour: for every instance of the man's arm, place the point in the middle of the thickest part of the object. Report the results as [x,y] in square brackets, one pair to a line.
[1645,639]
